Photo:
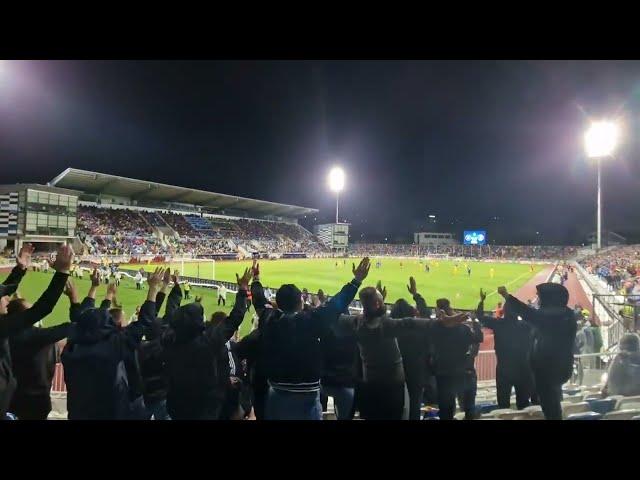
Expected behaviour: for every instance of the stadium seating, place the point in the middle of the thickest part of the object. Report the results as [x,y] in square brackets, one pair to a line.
[603,405]
[585,416]
[622,414]
[579,407]
[626,403]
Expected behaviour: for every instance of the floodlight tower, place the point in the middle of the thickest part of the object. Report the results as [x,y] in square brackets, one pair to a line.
[336,184]
[600,141]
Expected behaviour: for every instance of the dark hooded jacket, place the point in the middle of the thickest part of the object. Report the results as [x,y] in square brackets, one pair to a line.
[196,383]
[555,332]
[101,372]
[624,373]
[15,323]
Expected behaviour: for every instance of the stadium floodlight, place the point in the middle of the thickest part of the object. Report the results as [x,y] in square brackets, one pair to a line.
[336,184]
[600,141]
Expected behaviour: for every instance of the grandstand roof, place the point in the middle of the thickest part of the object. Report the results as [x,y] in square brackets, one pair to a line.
[104,184]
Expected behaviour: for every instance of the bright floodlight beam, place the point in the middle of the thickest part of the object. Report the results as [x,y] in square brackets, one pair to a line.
[600,141]
[336,184]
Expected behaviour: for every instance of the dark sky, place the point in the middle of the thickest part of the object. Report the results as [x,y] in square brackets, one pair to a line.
[465,140]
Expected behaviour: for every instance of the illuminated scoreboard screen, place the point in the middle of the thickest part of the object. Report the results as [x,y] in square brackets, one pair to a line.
[475,237]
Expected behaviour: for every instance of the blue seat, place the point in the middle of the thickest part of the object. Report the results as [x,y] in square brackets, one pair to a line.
[636,418]
[486,407]
[571,391]
[602,405]
[585,416]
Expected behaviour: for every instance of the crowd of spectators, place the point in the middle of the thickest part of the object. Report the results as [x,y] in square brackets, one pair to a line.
[618,266]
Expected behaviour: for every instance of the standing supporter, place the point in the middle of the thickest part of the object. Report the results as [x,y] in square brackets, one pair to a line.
[287,350]
[151,358]
[499,311]
[187,290]
[513,342]
[451,346]
[467,394]
[222,295]
[101,370]
[382,392]
[34,353]
[552,355]
[138,280]
[13,323]
[415,350]
[191,354]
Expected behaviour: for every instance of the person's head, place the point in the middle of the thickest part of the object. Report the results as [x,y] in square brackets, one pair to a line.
[217,318]
[402,309]
[118,317]
[289,298]
[499,304]
[630,342]
[552,295]
[445,305]
[372,302]
[138,310]
[17,305]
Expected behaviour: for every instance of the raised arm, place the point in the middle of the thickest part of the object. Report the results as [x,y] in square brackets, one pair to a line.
[230,324]
[486,321]
[174,299]
[162,294]
[23,260]
[339,303]
[257,291]
[421,305]
[14,323]
[135,330]
[518,307]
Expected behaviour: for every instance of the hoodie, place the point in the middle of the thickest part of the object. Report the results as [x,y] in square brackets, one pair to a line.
[191,355]
[554,332]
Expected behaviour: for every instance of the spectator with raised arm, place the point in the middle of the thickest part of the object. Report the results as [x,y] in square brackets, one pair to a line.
[382,392]
[101,370]
[14,323]
[513,342]
[34,353]
[191,355]
[552,354]
[288,347]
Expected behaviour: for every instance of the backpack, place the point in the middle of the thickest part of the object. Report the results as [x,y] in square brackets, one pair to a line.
[98,383]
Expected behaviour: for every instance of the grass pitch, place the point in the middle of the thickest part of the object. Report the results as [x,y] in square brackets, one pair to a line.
[443,280]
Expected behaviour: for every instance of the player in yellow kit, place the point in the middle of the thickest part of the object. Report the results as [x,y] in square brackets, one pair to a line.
[491,272]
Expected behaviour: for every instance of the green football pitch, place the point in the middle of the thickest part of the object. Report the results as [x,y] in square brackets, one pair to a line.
[443,280]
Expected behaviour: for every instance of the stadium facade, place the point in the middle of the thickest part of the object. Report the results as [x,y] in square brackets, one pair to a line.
[50,213]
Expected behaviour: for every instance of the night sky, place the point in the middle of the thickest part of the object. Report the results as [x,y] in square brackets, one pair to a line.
[480,144]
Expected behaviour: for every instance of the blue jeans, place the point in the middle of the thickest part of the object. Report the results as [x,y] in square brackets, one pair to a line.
[158,410]
[283,405]
[342,400]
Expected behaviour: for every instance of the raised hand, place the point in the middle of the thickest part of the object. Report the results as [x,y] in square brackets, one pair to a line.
[175,277]
[71,291]
[95,278]
[381,289]
[112,290]
[166,277]
[413,289]
[156,279]
[23,260]
[64,259]
[255,269]
[362,271]
[243,282]
[503,291]
[483,295]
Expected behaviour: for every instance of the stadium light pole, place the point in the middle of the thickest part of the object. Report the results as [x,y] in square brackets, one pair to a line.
[600,141]
[336,184]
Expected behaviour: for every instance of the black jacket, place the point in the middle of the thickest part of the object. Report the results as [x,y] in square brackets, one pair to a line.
[191,355]
[451,347]
[339,358]
[15,323]
[95,348]
[513,341]
[415,347]
[33,353]
[554,336]
[291,349]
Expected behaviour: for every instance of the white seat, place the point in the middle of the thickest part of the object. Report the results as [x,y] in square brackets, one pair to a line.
[500,411]
[574,398]
[536,415]
[622,414]
[627,403]
[533,408]
[511,415]
[574,408]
